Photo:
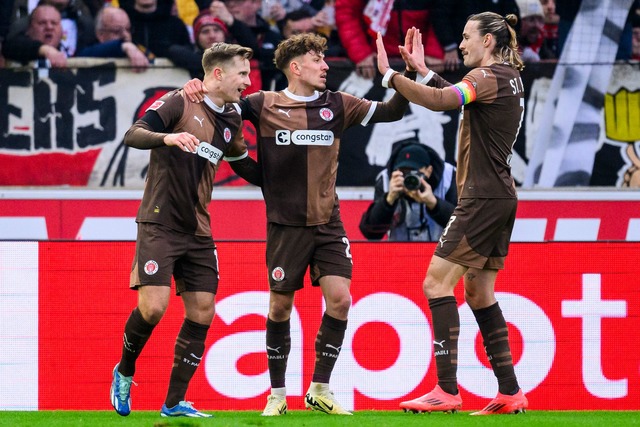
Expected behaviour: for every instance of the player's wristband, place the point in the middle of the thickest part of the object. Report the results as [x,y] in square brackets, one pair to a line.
[427,78]
[386,79]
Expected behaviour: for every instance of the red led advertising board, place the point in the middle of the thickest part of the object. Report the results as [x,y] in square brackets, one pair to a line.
[573,311]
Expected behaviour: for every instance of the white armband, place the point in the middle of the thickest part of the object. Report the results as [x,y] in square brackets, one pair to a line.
[427,78]
[387,77]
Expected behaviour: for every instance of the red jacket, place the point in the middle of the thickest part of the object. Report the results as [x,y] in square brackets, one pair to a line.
[406,14]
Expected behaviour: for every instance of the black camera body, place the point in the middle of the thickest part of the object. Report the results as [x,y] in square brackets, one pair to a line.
[412,180]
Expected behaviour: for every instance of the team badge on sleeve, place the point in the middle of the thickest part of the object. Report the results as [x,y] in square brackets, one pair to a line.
[326,114]
[157,104]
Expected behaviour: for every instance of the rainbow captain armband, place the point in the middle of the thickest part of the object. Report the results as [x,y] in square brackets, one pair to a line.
[466,92]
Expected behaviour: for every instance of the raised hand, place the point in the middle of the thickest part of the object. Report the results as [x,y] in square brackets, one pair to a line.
[408,39]
[414,57]
[383,60]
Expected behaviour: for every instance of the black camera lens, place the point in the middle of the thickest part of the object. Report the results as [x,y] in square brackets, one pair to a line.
[412,180]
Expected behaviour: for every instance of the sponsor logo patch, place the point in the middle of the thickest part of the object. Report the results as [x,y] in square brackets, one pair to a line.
[209,152]
[155,105]
[304,137]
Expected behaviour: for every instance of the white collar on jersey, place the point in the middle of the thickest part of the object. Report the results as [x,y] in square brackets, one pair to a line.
[212,105]
[295,97]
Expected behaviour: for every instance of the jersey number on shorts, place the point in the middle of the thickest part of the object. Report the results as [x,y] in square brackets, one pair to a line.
[442,239]
[347,250]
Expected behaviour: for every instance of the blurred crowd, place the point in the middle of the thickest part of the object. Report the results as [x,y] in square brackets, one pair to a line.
[141,30]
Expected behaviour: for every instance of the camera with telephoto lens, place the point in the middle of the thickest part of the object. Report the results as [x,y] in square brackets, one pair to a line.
[412,180]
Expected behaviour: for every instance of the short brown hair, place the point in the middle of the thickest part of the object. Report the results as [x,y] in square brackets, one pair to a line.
[298,45]
[221,53]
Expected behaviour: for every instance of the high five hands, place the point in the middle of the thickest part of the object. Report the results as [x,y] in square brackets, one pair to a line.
[412,53]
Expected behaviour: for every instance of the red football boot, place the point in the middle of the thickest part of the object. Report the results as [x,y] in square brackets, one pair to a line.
[505,404]
[435,401]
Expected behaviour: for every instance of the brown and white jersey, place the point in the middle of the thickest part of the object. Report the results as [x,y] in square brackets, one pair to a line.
[179,184]
[489,126]
[298,145]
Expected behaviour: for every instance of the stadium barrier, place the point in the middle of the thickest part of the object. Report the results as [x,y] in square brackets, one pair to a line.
[543,216]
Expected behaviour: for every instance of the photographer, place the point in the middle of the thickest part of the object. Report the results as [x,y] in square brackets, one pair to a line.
[417,213]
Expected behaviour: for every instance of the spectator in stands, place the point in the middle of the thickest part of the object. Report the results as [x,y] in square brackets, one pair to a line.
[76,22]
[241,14]
[41,39]
[450,16]
[406,206]
[531,33]
[551,19]
[207,30]
[155,28]
[302,21]
[78,28]
[357,30]
[113,31]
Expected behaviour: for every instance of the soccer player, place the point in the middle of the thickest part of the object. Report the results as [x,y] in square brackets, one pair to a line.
[299,133]
[475,242]
[186,142]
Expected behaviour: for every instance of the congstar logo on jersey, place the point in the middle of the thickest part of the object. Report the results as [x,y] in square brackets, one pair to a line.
[304,137]
[209,152]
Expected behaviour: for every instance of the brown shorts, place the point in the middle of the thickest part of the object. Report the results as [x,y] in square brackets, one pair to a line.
[162,252]
[478,233]
[325,249]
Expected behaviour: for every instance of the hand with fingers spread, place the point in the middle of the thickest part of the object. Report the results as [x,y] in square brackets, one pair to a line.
[183,140]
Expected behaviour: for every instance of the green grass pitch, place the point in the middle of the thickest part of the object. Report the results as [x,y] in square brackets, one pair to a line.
[308,418]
